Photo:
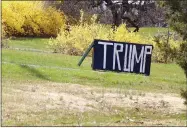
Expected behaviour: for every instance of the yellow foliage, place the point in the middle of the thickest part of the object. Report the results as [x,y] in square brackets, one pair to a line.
[79,37]
[77,40]
[31,18]
[123,35]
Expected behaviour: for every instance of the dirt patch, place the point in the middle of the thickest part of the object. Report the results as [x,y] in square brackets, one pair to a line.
[73,97]
[83,98]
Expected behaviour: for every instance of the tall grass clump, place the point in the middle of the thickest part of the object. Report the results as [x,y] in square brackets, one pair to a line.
[77,39]
[31,19]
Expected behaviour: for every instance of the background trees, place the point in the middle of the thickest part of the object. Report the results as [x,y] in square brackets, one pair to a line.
[132,12]
[176,15]
[135,13]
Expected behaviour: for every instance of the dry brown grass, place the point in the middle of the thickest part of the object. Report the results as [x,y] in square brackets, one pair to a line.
[21,100]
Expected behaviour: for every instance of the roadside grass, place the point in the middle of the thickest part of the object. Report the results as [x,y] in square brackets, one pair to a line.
[23,66]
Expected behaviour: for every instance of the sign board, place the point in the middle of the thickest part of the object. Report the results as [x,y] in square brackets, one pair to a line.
[122,57]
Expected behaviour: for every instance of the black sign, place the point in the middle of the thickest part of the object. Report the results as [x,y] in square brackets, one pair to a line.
[122,57]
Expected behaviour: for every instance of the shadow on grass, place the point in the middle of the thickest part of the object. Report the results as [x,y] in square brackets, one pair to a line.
[34,72]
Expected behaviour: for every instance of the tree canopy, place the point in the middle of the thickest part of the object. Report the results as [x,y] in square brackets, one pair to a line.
[176,15]
[134,13]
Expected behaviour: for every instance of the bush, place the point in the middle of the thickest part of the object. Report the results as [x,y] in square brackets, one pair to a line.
[79,37]
[166,47]
[77,40]
[182,61]
[182,57]
[31,18]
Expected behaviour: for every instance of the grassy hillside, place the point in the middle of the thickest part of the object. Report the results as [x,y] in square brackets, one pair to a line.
[21,65]
[43,88]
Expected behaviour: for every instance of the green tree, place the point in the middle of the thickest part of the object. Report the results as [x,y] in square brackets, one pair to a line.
[176,15]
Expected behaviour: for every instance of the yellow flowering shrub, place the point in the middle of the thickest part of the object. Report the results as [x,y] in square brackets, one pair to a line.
[77,40]
[79,37]
[123,35]
[31,18]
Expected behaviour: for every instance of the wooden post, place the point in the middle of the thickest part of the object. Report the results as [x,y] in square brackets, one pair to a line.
[86,53]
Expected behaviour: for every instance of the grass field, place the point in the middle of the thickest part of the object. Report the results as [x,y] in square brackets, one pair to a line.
[151,31]
[37,44]
[43,88]
[21,65]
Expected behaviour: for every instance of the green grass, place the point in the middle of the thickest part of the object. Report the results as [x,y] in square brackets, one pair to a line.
[20,69]
[63,68]
[29,43]
[151,31]
[58,68]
